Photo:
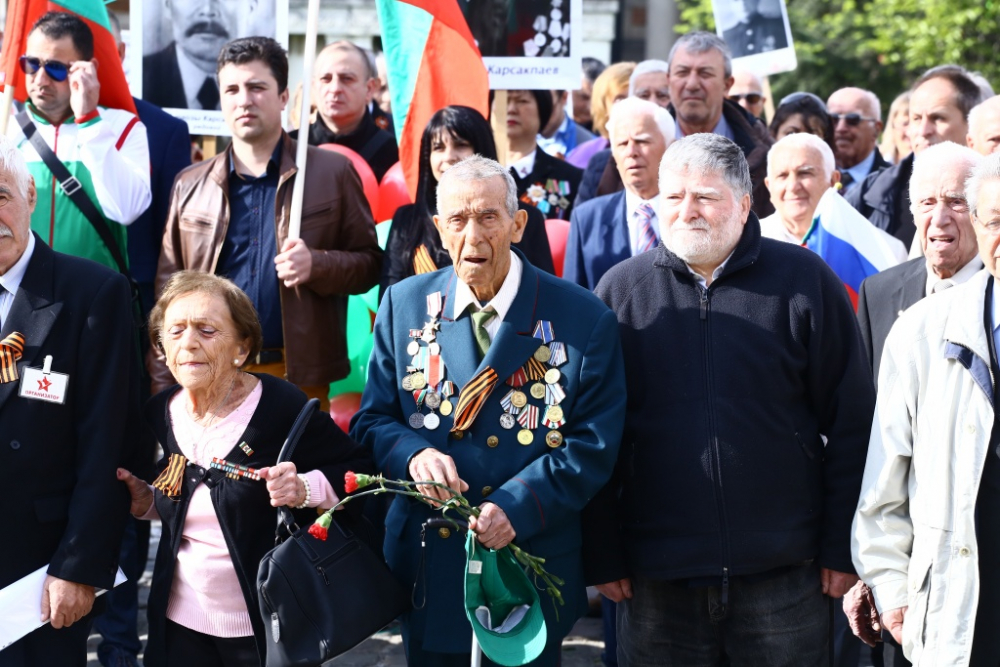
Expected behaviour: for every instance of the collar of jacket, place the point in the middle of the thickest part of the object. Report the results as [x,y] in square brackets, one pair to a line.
[746,252]
[219,171]
[889,185]
[964,324]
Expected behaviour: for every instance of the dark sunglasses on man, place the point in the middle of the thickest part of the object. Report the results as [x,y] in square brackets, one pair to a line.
[751,98]
[56,70]
[852,119]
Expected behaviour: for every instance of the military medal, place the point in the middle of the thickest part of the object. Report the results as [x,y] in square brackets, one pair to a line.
[507,402]
[553,439]
[418,380]
[529,417]
[416,420]
[407,383]
[432,421]
[524,436]
[542,354]
[445,408]
[246,449]
[543,331]
[433,400]
[507,421]
[554,417]
[518,399]
[552,376]
[413,348]
[538,390]
[558,354]
[416,333]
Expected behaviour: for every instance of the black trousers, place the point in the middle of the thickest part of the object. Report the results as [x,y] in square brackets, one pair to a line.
[189,648]
[45,646]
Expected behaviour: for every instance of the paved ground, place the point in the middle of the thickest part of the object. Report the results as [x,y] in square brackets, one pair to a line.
[581,649]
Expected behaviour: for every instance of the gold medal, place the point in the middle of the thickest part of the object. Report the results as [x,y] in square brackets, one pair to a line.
[542,354]
[538,390]
[518,399]
[492,441]
[524,436]
[552,376]
[407,383]
[554,413]
[553,439]
[419,380]
[445,408]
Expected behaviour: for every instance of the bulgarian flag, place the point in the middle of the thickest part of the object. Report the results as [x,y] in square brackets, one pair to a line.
[433,62]
[22,14]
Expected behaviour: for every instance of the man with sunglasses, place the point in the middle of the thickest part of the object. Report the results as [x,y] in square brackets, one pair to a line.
[857,124]
[105,150]
[748,91]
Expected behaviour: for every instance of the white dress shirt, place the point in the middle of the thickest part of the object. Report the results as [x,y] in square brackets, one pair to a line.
[500,303]
[193,78]
[11,280]
[771,227]
[525,165]
[962,275]
[632,204]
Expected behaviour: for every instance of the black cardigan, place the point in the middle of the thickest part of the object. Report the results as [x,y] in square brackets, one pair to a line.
[243,506]
[722,464]
[409,229]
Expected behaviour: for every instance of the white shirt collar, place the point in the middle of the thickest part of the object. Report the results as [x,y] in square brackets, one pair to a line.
[525,165]
[500,303]
[962,275]
[193,78]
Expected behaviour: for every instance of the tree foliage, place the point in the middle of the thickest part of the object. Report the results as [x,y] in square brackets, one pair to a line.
[882,45]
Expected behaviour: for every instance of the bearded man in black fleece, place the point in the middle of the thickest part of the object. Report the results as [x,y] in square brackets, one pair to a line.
[725,531]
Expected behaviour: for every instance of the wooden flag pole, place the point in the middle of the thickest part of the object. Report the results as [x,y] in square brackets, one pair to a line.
[498,120]
[298,187]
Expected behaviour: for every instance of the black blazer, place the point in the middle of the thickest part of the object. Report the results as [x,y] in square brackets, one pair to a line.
[243,507]
[60,500]
[548,167]
[162,84]
[883,297]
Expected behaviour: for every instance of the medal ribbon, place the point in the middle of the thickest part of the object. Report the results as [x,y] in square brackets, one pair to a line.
[534,369]
[418,396]
[554,394]
[472,398]
[553,423]
[434,304]
[518,379]
[543,331]
[447,389]
[434,367]
[529,417]
[558,352]
[169,481]
[422,261]
[508,405]
[234,470]
[11,349]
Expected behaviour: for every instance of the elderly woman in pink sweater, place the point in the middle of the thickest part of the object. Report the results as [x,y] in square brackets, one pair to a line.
[221,430]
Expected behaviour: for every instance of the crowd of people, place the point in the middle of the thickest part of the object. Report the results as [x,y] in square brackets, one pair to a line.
[719,406]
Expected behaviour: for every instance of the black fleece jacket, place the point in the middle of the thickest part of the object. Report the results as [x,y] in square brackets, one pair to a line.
[722,468]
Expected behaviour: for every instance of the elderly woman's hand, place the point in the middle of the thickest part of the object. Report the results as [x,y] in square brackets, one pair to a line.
[284,485]
[142,497]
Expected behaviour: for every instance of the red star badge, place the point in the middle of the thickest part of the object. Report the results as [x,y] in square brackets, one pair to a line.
[44,384]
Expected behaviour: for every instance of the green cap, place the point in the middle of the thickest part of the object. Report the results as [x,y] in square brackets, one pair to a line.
[503,606]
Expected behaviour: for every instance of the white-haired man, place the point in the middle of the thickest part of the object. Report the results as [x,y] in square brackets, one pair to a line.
[857,124]
[748,414]
[984,126]
[609,229]
[800,169]
[924,534]
[650,80]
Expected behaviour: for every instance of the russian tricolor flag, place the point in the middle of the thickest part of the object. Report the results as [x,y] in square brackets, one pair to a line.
[852,246]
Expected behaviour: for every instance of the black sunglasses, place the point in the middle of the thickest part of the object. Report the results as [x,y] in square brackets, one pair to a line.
[751,98]
[56,70]
[852,119]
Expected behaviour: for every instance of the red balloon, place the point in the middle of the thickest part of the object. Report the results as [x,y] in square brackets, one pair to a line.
[392,193]
[365,173]
[558,233]
[343,407]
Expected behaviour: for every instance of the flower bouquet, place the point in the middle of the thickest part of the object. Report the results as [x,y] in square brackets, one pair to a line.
[456,504]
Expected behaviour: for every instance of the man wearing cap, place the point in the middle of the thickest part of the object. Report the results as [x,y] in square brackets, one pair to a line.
[504,383]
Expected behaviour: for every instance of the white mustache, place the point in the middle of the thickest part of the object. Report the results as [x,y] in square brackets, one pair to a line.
[699,225]
[5,231]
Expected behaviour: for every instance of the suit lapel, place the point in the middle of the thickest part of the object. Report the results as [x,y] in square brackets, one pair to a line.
[458,346]
[33,312]
[514,343]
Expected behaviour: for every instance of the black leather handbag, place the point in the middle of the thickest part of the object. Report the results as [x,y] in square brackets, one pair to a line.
[319,599]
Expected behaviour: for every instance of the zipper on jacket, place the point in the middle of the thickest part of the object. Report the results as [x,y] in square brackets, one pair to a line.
[720,497]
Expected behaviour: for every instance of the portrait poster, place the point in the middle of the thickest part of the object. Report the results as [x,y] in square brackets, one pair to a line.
[758,34]
[175,44]
[528,44]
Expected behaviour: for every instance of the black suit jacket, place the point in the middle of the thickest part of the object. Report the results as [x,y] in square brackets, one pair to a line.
[161,79]
[882,298]
[59,497]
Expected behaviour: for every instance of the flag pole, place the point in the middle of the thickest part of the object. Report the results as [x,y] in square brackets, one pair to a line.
[5,106]
[295,218]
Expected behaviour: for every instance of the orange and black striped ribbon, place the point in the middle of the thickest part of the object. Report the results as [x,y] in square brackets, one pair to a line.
[422,262]
[11,349]
[169,481]
[534,368]
[472,398]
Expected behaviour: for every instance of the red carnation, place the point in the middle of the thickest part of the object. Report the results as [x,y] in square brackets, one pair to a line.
[318,531]
[350,482]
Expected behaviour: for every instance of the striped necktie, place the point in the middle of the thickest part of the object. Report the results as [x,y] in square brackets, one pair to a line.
[647,234]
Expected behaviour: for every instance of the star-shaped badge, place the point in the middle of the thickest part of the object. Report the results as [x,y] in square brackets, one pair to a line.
[44,384]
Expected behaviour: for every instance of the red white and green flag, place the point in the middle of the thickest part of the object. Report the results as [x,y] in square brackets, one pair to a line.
[433,62]
[22,14]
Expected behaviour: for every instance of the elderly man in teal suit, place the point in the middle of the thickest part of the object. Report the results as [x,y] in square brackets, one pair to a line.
[504,383]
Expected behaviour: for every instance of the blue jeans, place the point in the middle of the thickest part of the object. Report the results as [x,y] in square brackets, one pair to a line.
[118,625]
[783,620]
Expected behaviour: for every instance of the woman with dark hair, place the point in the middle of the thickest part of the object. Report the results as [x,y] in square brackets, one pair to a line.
[802,112]
[453,134]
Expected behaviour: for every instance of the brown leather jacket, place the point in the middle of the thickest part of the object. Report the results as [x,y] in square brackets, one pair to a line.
[337,226]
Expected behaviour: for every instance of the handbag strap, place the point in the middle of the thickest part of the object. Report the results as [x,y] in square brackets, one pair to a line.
[285,517]
[73,189]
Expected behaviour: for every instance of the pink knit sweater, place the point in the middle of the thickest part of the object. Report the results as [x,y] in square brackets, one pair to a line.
[205,594]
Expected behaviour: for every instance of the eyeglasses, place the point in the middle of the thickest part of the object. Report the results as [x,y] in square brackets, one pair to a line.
[798,97]
[852,119]
[751,98]
[56,70]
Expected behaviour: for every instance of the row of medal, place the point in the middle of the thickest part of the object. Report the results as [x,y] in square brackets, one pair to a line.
[542,371]
[425,373]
